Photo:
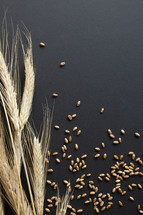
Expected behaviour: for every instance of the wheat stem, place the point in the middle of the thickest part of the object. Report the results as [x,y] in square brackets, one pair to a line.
[1,204]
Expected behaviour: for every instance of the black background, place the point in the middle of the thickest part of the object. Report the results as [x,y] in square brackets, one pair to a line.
[102,44]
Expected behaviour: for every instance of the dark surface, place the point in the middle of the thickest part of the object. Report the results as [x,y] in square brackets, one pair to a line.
[102,44]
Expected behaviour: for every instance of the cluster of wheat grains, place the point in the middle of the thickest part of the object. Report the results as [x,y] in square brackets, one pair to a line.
[19,144]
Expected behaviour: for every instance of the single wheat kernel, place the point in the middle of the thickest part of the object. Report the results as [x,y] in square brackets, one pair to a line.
[58,160]
[69,206]
[79,196]
[75,128]
[97,148]
[91,182]
[92,192]
[102,110]
[100,179]
[69,156]
[130,187]
[42,44]
[139,186]
[76,146]
[49,182]
[66,140]
[122,131]
[120,139]
[141,211]
[50,205]
[74,115]
[97,156]
[52,184]
[77,160]
[109,131]
[55,95]
[83,156]
[62,63]
[112,136]
[84,195]
[84,167]
[72,197]
[56,126]
[88,174]
[67,131]
[116,157]
[87,202]
[100,194]
[70,168]
[78,132]
[50,170]
[103,145]
[47,210]
[131,198]
[79,210]
[83,176]
[70,117]
[139,207]
[104,156]
[116,142]
[78,103]
[107,179]
[55,153]
[70,139]
[64,155]
[137,134]
[120,203]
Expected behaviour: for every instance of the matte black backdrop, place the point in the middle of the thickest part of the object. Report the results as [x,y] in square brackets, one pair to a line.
[102,44]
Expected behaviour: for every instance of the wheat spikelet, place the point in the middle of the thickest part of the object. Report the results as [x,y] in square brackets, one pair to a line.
[62,207]
[1,205]
[29,84]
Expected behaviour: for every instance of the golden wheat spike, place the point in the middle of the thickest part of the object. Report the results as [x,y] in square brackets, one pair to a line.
[28,92]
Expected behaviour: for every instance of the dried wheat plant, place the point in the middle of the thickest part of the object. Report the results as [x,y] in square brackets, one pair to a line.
[19,143]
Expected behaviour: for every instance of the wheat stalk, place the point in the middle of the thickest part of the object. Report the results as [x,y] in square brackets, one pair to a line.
[1,204]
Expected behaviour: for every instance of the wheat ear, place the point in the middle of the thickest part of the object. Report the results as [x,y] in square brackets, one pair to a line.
[28,92]
[38,157]
[38,177]
[1,204]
